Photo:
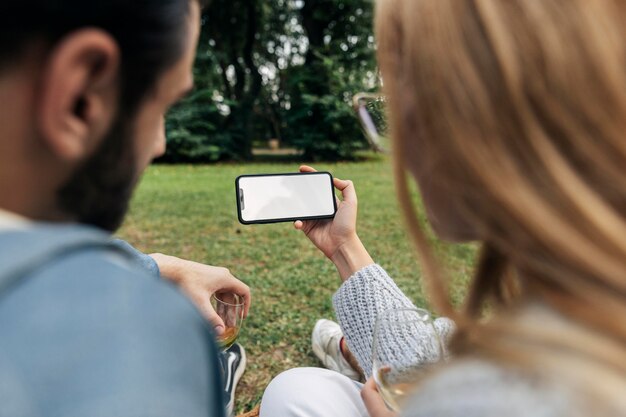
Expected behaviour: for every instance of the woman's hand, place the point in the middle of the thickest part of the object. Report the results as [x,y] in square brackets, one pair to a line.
[329,235]
[337,238]
[374,402]
[199,282]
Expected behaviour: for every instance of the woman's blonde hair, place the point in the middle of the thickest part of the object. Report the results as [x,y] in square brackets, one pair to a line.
[519,111]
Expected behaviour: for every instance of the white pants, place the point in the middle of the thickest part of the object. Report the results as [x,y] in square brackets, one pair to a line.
[312,392]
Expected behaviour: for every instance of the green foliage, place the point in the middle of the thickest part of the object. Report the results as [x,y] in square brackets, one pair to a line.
[283,69]
[193,134]
[322,125]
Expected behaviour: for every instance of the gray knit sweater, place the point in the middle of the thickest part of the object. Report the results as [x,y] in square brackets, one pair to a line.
[468,388]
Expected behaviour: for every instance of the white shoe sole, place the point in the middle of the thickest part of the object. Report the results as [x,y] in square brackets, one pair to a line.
[329,361]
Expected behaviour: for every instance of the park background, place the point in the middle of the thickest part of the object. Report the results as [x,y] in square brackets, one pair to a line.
[285,71]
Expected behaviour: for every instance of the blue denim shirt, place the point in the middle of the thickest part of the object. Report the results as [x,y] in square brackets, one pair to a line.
[85,330]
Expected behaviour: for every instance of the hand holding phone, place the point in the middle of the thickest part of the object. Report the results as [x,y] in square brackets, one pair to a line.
[328,222]
[338,239]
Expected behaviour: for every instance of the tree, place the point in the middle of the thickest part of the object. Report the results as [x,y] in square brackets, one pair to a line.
[339,62]
[279,68]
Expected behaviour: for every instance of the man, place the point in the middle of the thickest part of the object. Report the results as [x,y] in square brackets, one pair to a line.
[85,329]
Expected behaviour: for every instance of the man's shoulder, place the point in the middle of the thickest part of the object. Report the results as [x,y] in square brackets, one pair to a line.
[79,270]
[74,276]
[93,325]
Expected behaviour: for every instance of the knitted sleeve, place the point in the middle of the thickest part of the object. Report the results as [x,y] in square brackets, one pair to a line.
[361,299]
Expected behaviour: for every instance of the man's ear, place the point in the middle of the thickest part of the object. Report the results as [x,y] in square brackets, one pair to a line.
[78,94]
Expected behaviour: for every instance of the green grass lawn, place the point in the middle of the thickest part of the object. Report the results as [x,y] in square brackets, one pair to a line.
[190,211]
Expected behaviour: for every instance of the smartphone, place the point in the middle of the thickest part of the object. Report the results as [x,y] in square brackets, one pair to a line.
[273,198]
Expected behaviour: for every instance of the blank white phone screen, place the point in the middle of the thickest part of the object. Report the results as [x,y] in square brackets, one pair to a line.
[286,197]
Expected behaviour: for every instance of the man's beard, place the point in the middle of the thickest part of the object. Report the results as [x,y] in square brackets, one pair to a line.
[99,191]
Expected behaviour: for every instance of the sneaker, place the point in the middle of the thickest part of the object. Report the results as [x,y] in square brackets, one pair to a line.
[325,341]
[233,365]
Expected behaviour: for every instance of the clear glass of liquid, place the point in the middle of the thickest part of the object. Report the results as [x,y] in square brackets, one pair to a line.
[229,307]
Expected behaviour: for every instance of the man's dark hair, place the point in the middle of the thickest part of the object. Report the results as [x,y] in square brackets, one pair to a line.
[150,34]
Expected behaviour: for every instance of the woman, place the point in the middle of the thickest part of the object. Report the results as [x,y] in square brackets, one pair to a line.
[511,117]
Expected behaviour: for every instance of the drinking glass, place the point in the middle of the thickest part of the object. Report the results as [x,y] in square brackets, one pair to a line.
[229,307]
[405,346]
[371,110]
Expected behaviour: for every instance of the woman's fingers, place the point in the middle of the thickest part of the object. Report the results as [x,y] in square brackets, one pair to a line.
[347,189]
[345,186]
[374,402]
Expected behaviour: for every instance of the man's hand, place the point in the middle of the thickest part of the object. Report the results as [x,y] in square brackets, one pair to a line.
[199,282]
[374,402]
